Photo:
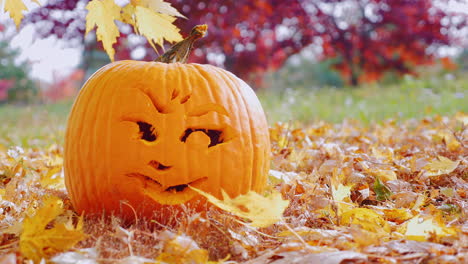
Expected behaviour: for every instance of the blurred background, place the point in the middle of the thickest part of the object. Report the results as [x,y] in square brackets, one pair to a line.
[308,60]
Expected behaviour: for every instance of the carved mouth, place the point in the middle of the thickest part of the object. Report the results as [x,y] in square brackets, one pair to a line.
[148,181]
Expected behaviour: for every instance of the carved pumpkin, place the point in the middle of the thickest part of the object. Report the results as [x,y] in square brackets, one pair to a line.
[140,133]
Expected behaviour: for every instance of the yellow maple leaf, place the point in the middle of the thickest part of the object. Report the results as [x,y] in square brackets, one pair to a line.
[182,249]
[440,166]
[158,6]
[448,139]
[366,218]
[145,21]
[37,240]
[175,253]
[15,9]
[386,175]
[262,211]
[53,179]
[101,15]
[127,15]
[462,117]
[341,192]
[151,18]
[397,215]
[419,229]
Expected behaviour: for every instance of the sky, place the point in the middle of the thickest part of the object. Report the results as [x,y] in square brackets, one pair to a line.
[48,57]
[50,60]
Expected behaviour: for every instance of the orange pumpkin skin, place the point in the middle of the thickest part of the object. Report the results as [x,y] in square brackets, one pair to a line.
[140,132]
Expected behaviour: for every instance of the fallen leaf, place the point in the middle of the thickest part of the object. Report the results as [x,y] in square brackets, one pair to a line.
[322,258]
[262,211]
[8,259]
[440,166]
[419,229]
[397,215]
[82,256]
[382,192]
[341,193]
[364,237]
[462,117]
[136,260]
[386,175]
[37,240]
[53,179]
[449,192]
[366,218]
[182,249]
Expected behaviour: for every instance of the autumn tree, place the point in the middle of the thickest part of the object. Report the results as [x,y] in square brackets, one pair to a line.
[371,37]
[366,38]
[246,37]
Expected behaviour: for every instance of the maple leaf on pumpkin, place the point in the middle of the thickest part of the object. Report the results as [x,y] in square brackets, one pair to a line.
[262,211]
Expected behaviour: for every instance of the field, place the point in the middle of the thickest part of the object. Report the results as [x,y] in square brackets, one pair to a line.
[375,174]
[45,124]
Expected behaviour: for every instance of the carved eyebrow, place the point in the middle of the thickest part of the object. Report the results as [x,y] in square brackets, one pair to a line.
[206,108]
[153,100]
[196,111]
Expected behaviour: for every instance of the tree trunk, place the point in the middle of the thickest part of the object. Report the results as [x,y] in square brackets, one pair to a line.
[353,79]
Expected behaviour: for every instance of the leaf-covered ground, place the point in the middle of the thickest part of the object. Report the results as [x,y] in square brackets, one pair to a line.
[393,192]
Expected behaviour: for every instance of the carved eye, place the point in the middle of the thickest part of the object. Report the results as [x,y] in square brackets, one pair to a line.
[216,136]
[147,132]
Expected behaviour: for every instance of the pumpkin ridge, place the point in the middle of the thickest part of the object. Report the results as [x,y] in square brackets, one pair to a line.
[201,71]
[99,95]
[247,162]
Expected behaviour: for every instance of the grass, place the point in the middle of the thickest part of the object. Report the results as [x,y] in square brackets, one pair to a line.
[368,103]
[42,125]
[33,125]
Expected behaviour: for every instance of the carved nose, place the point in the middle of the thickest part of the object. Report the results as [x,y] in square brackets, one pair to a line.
[159,166]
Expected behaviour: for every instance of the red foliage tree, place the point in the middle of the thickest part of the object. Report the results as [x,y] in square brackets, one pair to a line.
[371,37]
[368,37]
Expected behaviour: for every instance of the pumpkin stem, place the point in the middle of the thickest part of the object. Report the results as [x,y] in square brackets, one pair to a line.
[181,50]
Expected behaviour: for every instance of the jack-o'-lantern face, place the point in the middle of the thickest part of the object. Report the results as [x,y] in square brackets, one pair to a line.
[173,145]
[143,132]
